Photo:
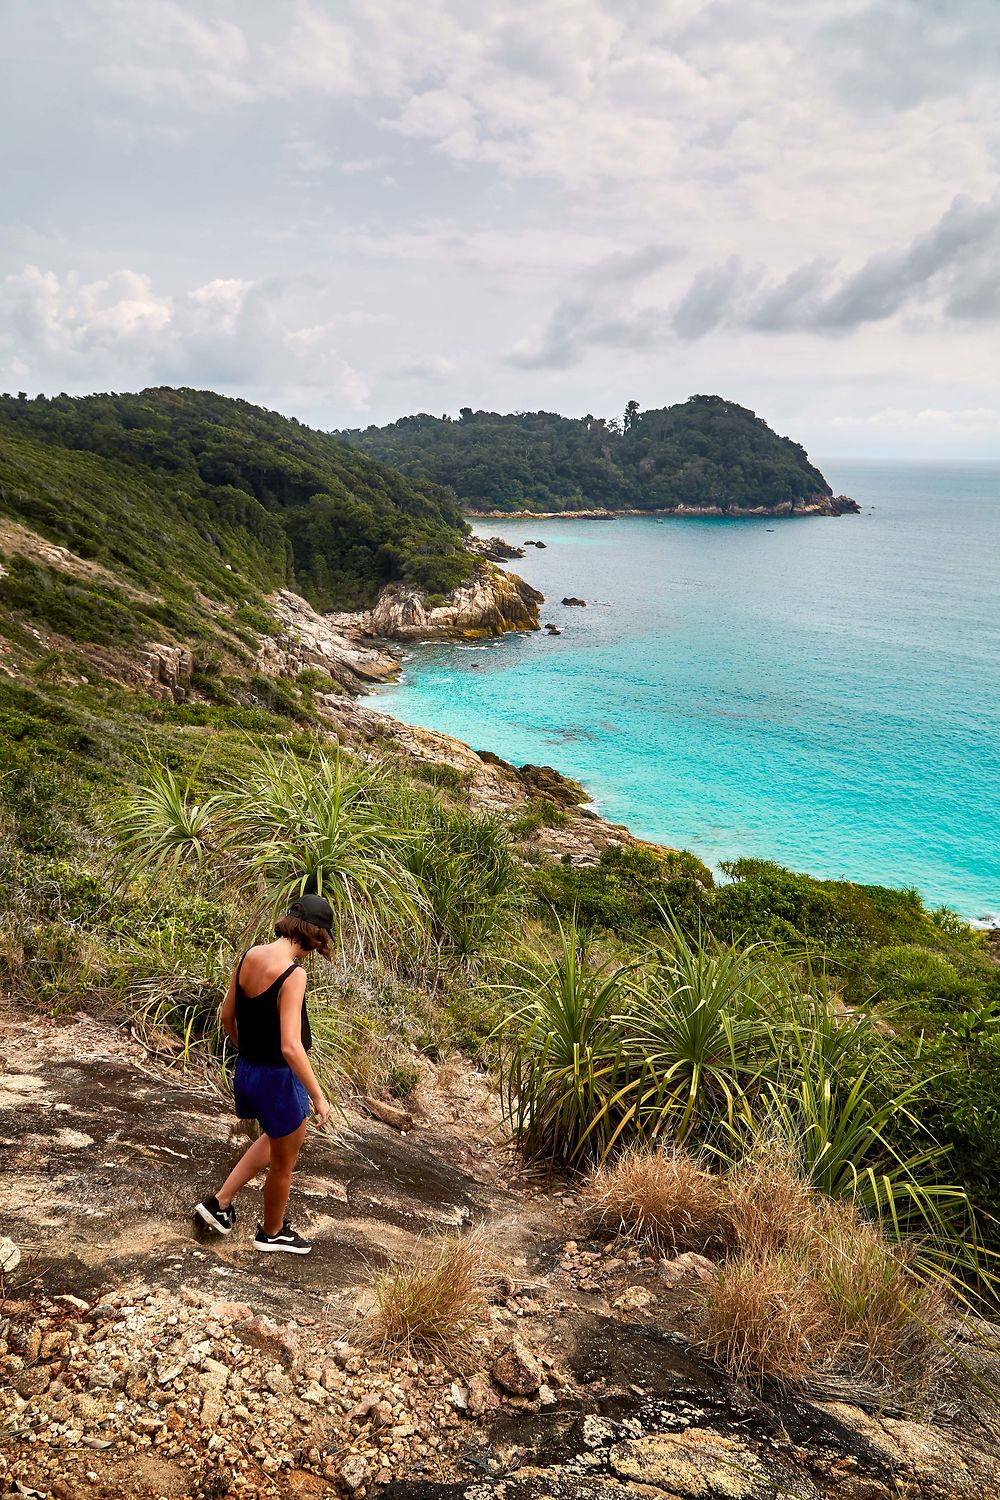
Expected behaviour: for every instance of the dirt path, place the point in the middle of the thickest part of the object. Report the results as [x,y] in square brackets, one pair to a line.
[139,1360]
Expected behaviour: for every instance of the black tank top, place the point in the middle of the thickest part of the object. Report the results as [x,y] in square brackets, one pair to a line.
[258,1022]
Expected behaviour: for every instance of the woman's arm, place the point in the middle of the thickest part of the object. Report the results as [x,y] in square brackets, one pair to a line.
[228,1014]
[290,1010]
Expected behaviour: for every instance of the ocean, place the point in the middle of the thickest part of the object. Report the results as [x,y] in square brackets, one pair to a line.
[820,692]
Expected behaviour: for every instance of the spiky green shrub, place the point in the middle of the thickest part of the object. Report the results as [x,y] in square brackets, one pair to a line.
[469,884]
[562,1052]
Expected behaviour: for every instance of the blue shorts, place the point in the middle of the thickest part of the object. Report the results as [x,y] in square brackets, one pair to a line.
[274,1096]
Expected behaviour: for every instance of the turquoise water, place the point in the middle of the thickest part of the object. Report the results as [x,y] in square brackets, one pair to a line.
[822,692]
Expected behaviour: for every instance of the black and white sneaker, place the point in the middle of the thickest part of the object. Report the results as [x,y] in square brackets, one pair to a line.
[220,1219]
[286,1239]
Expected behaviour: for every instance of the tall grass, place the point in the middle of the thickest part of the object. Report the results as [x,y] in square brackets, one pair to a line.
[431,1300]
[701,1027]
[804,1288]
[407,876]
[319,825]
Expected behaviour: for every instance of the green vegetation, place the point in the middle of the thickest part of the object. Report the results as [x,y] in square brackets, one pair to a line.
[186,493]
[705,451]
[628,1006]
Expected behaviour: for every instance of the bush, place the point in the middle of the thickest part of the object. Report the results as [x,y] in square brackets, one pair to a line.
[629,890]
[766,902]
[905,973]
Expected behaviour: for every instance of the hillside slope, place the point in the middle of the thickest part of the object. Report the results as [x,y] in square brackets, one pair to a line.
[178,490]
[705,454]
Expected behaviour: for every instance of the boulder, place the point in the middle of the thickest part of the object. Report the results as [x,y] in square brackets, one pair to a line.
[495,548]
[582,603]
[169,670]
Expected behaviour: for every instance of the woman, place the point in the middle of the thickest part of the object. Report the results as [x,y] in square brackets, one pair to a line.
[264,1016]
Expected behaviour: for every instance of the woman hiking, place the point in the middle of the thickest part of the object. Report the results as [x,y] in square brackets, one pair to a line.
[264,1016]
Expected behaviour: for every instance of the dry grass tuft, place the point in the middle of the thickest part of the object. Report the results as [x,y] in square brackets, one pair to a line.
[815,1289]
[664,1198]
[769,1207]
[433,1299]
[767,1320]
[807,1287]
[890,1324]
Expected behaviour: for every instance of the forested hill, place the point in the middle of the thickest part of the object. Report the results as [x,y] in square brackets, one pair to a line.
[182,489]
[704,452]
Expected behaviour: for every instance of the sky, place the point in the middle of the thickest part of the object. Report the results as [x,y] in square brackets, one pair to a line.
[349,212]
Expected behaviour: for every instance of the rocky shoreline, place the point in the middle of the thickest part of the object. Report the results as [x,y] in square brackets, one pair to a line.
[816,505]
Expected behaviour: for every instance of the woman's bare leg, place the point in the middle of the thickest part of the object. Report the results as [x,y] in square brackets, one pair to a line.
[254,1159]
[278,1183]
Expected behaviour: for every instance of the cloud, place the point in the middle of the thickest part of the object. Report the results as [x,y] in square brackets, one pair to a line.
[967,421]
[890,279]
[711,295]
[592,313]
[498,185]
[244,336]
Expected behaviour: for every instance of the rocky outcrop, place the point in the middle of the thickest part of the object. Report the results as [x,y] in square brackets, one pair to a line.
[165,671]
[139,1356]
[309,639]
[490,604]
[494,548]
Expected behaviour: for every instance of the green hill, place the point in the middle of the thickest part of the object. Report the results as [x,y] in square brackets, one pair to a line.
[704,452]
[183,491]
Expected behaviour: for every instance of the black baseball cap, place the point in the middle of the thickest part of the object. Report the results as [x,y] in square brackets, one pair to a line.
[313,909]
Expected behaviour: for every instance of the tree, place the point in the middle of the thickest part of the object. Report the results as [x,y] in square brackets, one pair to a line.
[631,416]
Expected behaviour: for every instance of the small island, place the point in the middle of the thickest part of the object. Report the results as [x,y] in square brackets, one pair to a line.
[703,457]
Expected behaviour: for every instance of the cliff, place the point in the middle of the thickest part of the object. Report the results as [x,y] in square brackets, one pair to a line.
[491,603]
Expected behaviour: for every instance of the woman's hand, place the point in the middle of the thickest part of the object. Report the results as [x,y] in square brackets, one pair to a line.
[321,1109]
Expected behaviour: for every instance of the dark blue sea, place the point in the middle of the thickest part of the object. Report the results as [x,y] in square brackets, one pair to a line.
[821,692]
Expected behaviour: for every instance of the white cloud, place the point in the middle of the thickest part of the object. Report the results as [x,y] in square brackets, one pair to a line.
[241,335]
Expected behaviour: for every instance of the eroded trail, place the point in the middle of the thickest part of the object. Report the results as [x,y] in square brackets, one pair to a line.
[139,1359]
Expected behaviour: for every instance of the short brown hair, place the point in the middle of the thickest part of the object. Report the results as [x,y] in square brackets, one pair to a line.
[310,938]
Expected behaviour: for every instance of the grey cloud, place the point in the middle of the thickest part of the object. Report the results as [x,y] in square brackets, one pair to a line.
[590,315]
[899,53]
[954,259]
[890,278]
[711,295]
[795,299]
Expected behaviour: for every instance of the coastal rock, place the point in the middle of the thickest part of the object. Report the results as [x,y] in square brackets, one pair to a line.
[545,781]
[553,630]
[581,602]
[309,639]
[811,505]
[495,549]
[490,604]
